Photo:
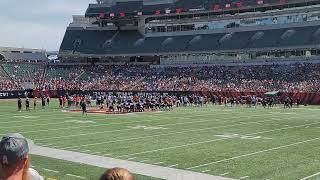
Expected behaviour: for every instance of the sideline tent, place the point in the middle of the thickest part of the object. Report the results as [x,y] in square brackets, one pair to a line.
[273,93]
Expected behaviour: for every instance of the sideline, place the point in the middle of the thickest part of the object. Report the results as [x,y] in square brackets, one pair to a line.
[134,167]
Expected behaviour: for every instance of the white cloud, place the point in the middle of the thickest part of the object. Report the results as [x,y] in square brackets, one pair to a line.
[37,23]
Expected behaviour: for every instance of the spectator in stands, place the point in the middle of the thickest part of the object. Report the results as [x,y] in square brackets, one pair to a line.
[117,174]
[14,159]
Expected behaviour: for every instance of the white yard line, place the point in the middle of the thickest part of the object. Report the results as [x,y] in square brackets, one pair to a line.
[108,124]
[206,171]
[101,132]
[174,165]
[210,141]
[223,174]
[164,134]
[72,175]
[254,153]
[132,158]
[37,120]
[46,145]
[244,177]
[129,129]
[50,170]
[308,177]
[34,125]
[158,163]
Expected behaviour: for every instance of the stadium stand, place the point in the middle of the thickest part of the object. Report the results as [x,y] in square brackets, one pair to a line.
[96,42]
[24,56]
[6,82]
[261,78]
[10,54]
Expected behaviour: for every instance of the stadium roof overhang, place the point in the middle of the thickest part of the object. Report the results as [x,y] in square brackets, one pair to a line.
[220,11]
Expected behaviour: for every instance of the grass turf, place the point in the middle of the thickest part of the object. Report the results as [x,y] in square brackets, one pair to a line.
[237,142]
[61,170]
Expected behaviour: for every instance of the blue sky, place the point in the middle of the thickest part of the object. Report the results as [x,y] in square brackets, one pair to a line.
[37,23]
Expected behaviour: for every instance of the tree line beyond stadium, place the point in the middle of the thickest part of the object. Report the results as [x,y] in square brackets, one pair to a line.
[305,98]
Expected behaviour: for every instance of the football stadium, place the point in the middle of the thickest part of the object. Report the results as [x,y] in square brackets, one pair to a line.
[167,89]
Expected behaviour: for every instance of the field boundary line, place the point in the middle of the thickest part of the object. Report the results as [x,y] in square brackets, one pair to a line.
[254,153]
[135,167]
[313,175]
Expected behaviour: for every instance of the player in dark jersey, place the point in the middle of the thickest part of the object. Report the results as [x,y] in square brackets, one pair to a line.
[43,102]
[48,100]
[83,107]
[19,104]
[60,101]
[27,104]
[34,102]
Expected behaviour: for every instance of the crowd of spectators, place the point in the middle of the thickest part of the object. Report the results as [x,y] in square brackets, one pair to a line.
[258,78]
[284,78]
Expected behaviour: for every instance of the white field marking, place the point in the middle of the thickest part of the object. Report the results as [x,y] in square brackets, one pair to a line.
[32,166]
[308,177]
[36,120]
[46,145]
[132,158]
[225,174]
[146,160]
[209,141]
[174,165]
[244,177]
[27,117]
[107,154]
[72,175]
[254,153]
[206,171]
[33,125]
[146,127]
[108,124]
[157,163]
[227,135]
[163,134]
[85,134]
[96,153]
[50,170]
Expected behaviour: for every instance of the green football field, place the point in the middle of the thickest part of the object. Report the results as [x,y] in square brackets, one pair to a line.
[235,142]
